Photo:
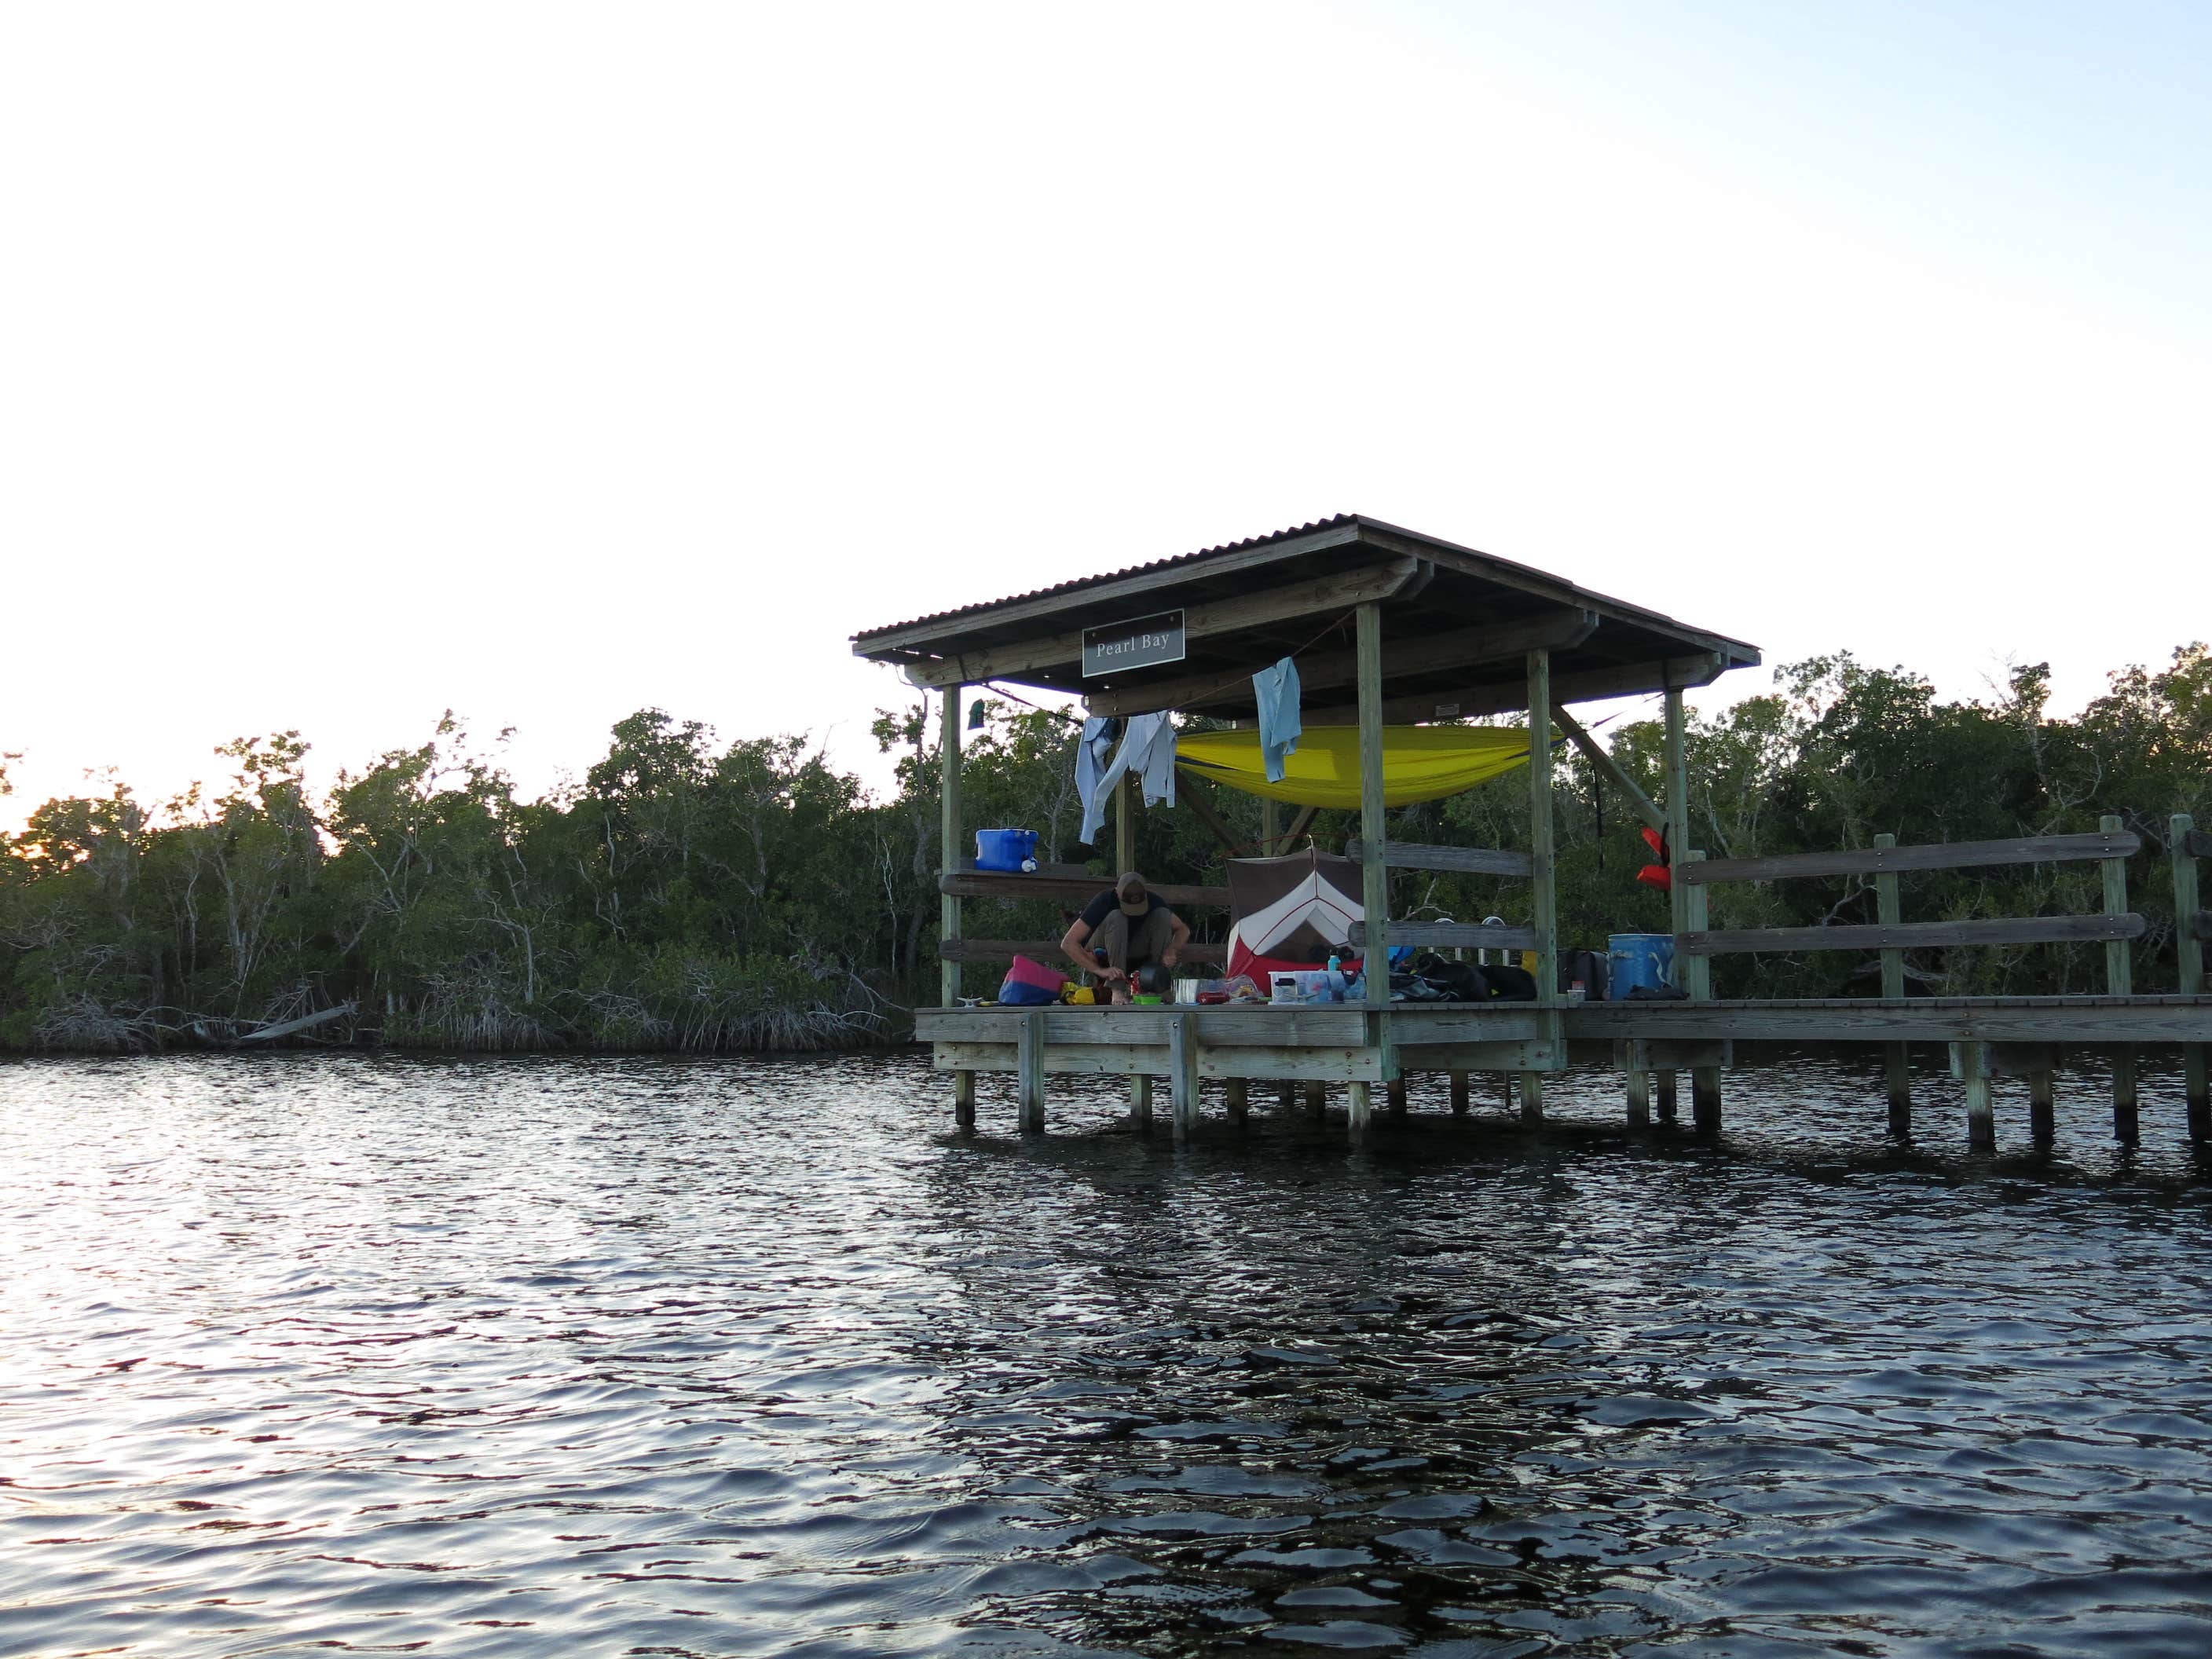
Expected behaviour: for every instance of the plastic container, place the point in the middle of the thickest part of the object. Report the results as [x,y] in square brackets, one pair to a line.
[1005,849]
[1634,959]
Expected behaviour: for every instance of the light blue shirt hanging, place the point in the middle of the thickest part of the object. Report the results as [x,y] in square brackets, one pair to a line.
[1092,751]
[1147,751]
[1276,689]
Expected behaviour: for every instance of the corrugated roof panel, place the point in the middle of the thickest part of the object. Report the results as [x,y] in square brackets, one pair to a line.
[1078,583]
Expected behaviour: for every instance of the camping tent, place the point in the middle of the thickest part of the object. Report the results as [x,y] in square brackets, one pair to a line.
[1289,912]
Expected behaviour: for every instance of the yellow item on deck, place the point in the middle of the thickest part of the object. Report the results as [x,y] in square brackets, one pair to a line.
[1420,763]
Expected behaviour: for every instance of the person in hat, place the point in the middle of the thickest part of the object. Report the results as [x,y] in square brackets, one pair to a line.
[1124,929]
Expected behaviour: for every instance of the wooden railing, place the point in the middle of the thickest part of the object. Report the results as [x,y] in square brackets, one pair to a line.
[1063,883]
[1885,860]
[1462,860]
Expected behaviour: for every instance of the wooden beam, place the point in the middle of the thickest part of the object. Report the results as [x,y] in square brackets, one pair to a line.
[1030,1071]
[1916,1020]
[2191,928]
[1466,647]
[2119,981]
[1417,855]
[1543,884]
[1505,697]
[1595,753]
[1302,823]
[1125,824]
[1452,936]
[1134,587]
[1013,886]
[1914,935]
[1191,793]
[1338,591]
[1375,875]
[1886,856]
[1046,951]
[948,838]
[1677,764]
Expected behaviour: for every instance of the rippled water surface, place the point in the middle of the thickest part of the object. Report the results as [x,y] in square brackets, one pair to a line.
[311,1354]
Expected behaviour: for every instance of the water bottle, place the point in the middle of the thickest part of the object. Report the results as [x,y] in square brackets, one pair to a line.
[1336,976]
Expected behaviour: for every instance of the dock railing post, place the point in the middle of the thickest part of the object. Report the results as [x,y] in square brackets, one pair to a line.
[2119,981]
[2188,958]
[1897,1062]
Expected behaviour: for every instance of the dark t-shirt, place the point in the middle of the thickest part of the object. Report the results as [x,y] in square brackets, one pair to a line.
[1105,904]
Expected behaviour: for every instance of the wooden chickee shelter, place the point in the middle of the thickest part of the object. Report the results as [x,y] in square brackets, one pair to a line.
[1442,633]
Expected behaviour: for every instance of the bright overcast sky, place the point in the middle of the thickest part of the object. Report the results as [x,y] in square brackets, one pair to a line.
[547,361]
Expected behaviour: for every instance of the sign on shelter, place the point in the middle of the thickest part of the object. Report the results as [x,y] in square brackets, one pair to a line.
[1144,643]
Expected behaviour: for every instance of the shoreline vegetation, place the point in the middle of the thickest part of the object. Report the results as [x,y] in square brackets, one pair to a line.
[685,896]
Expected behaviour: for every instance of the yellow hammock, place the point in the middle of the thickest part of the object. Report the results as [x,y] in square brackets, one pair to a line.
[1420,763]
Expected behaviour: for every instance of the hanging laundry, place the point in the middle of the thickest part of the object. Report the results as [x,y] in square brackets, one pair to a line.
[1093,749]
[1147,750]
[1276,689]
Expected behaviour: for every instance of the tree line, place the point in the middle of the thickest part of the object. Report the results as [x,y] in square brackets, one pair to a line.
[686,895]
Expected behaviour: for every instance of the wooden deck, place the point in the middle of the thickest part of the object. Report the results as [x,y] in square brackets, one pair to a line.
[1649,1042]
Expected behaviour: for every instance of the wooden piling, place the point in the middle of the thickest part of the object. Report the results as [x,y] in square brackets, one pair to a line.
[2119,981]
[1532,1097]
[1459,1094]
[2189,954]
[1029,1073]
[1897,1062]
[1706,1099]
[1638,1071]
[2042,1108]
[1395,1092]
[1664,1083]
[1317,1101]
[1286,1098]
[1970,1064]
[1182,1073]
[1361,1100]
[1140,1102]
[1237,1090]
[964,1102]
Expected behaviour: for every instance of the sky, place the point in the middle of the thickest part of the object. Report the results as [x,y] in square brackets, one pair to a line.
[549,361]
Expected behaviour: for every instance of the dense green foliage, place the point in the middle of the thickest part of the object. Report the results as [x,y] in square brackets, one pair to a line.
[686,896]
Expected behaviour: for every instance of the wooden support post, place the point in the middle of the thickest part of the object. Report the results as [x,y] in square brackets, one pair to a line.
[1375,875]
[1544,893]
[1286,1096]
[2189,954]
[1271,826]
[1897,1064]
[948,839]
[1970,1062]
[1362,1099]
[1182,1073]
[1678,824]
[1125,824]
[964,1102]
[2119,981]
[1317,1101]
[1395,1092]
[1459,1100]
[1665,1081]
[1140,1102]
[1029,1077]
[1706,1099]
[1639,1072]
[2042,1108]
[1532,1097]
[1237,1092]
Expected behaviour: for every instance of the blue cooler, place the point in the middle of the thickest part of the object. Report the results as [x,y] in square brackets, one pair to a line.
[1634,959]
[1004,849]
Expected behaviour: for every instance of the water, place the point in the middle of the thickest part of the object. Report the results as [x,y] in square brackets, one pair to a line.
[310,1355]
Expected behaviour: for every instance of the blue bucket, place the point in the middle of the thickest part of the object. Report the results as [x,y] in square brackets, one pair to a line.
[1634,959]
[1004,849]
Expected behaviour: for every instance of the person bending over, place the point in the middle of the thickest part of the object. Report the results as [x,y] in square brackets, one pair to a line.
[1122,930]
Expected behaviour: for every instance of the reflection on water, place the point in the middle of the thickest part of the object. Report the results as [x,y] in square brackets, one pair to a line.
[528,1357]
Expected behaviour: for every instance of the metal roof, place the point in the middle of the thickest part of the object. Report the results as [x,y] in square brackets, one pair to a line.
[1077,584]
